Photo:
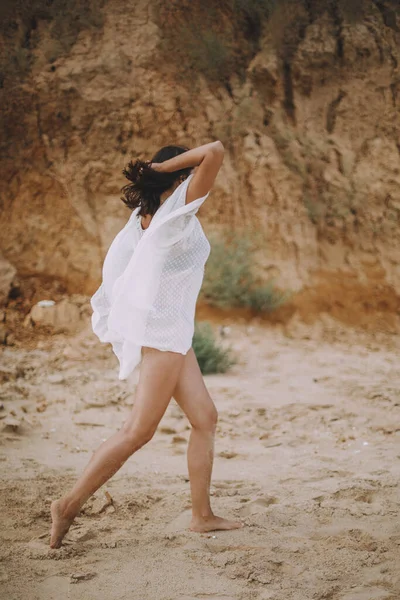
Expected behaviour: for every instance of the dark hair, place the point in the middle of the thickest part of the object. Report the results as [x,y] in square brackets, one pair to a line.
[147,185]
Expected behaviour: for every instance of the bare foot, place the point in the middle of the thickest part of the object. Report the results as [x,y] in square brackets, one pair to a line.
[60,525]
[213,523]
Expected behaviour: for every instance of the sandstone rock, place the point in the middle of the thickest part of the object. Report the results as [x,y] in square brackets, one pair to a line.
[316,57]
[7,274]
[62,317]
[264,74]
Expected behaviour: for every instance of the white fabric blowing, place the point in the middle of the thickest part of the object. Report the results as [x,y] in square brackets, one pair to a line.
[151,281]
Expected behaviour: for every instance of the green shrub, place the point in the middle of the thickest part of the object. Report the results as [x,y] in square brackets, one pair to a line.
[228,273]
[220,39]
[267,298]
[229,279]
[211,357]
[214,39]
[213,52]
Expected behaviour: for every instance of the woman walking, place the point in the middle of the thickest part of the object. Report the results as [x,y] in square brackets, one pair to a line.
[145,308]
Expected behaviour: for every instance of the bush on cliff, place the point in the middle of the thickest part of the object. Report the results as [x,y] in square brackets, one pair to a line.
[229,279]
[212,358]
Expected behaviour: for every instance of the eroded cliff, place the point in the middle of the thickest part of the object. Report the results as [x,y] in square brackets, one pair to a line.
[308,113]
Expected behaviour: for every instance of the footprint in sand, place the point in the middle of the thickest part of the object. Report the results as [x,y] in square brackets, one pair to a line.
[355,493]
[259,505]
[81,534]
[232,483]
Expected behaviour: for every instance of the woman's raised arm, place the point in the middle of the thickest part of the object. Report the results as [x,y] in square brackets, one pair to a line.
[208,160]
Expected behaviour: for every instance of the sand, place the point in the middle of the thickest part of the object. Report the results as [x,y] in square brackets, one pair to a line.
[307,455]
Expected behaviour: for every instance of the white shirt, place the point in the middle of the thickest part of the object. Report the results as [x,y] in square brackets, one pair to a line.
[151,281]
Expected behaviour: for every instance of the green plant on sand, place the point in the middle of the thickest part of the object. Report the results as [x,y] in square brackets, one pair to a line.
[212,358]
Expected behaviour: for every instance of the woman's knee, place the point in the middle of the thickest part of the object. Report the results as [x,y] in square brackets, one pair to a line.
[136,437]
[208,421]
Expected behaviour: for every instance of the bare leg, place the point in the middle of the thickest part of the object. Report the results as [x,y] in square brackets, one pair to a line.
[159,373]
[192,396]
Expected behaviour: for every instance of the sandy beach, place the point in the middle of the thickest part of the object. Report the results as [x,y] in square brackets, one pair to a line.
[307,455]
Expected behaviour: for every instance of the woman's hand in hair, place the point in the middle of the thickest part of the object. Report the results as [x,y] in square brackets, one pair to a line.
[206,159]
[156,167]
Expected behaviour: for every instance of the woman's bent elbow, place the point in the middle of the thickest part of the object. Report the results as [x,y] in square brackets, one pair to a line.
[219,147]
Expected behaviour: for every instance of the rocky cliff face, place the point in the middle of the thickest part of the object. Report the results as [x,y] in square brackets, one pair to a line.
[311,127]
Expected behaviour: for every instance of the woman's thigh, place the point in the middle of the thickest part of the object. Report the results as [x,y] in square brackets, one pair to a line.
[159,372]
[192,395]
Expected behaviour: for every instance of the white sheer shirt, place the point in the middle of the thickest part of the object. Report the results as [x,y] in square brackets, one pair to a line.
[151,281]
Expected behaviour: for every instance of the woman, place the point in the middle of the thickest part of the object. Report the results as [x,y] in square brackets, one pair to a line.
[145,308]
